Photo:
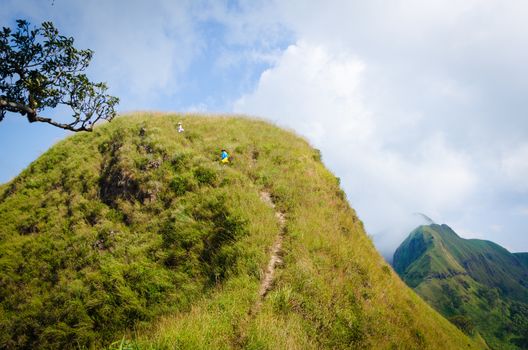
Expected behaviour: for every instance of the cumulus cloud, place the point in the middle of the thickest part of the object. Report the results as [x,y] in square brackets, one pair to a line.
[309,73]
[320,94]
[417,106]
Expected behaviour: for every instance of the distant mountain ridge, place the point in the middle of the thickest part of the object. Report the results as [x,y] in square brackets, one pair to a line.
[440,249]
[473,278]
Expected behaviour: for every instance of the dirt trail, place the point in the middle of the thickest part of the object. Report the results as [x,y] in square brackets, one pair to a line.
[276,250]
[266,283]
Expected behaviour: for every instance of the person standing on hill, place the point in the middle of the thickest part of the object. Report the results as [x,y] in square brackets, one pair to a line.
[224,157]
[180,127]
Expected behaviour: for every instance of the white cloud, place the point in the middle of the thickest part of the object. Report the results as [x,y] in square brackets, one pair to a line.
[319,94]
[143,55]
[246,23]
[308,73]
[142,49]
[514,167]
[435,119]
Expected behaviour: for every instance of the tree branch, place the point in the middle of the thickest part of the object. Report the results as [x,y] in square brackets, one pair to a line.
[63,126]
[17,108]
[33,117]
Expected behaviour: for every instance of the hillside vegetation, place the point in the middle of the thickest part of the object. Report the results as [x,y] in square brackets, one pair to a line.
[477,284]
[137,232]
[523,258]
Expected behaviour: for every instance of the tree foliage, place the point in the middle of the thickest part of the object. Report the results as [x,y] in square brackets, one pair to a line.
[519,323]
[39,69]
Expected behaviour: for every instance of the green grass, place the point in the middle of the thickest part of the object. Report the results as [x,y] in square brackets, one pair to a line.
[135,230]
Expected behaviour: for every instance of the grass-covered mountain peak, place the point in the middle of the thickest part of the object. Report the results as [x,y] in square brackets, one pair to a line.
[476,283]
[437,251]
[138,231]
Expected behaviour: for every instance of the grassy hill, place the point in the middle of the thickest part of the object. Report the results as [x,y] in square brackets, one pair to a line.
[138,232]
[473,282]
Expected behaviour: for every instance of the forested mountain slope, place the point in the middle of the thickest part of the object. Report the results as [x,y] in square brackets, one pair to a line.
[473,282]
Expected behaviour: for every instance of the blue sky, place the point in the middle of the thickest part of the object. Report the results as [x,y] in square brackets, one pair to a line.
[417,106]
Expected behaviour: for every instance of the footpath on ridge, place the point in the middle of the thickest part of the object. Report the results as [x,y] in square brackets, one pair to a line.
[267,280]
[276,250]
